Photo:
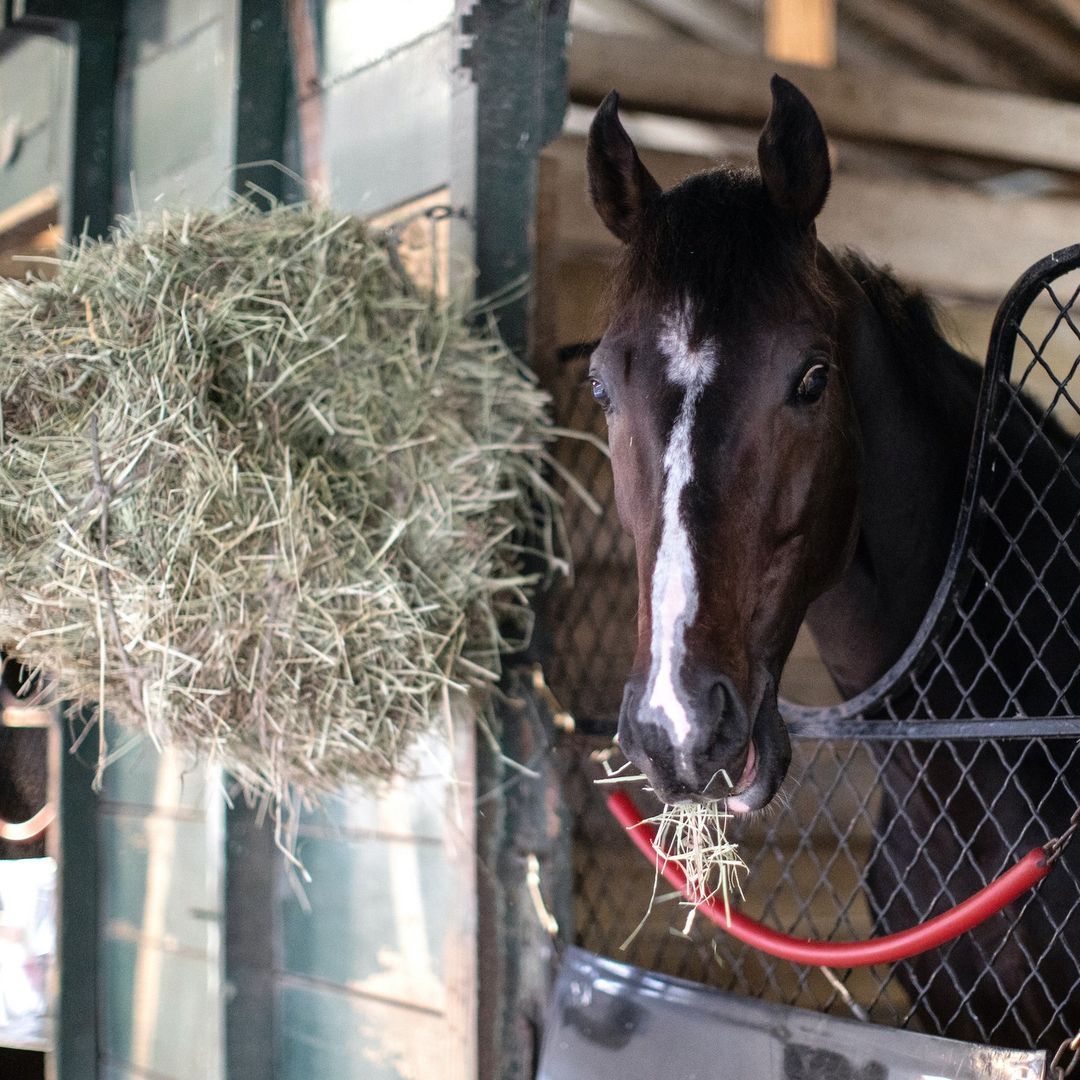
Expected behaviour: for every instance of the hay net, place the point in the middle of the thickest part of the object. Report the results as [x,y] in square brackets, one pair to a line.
[259,496]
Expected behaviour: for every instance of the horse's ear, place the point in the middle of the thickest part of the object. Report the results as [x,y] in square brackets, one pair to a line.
[793,154]
[619,184]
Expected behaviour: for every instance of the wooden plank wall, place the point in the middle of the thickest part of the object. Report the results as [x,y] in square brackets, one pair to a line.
[160,856]
[378,968]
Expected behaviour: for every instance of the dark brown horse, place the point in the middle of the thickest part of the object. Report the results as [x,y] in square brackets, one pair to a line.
[789,436]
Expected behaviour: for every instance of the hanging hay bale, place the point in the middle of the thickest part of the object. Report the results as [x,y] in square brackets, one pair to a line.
[260,497]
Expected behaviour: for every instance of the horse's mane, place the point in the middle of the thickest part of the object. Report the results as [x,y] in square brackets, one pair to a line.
[942,379]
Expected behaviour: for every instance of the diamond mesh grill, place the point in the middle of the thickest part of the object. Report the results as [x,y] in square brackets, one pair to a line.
[890,828]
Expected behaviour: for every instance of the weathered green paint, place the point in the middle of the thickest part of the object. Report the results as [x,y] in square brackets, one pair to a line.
[514,51]
[262,95]
[253,862]
[76,1047]
[252,944]
[517,59]
[88,209]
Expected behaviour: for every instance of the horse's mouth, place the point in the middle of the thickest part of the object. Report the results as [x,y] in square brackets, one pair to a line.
[745,782]
[767,759]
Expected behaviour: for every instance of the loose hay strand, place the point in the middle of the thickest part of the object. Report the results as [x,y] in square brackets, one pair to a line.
[694,837]
[261,497]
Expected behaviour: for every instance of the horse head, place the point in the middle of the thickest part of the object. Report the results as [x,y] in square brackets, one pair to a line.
[733,438]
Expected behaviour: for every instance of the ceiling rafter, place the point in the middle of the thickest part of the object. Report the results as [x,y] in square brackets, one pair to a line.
[1006,26]
[951,54]
[723,25]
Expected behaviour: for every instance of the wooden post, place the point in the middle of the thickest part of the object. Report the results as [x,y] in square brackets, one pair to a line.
[75,1055]
[801,31]
[510,95]
[251,927]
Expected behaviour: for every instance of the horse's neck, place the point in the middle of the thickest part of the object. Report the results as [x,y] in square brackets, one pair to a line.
[909,493]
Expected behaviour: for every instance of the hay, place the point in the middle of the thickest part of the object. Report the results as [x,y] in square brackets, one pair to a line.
[259,497]
[693,836]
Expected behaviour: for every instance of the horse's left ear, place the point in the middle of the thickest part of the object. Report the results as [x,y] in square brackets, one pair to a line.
[793,154]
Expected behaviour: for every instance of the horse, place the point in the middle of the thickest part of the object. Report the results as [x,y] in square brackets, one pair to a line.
[789,436]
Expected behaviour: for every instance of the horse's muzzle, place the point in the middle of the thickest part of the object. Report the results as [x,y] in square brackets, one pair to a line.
[721,755]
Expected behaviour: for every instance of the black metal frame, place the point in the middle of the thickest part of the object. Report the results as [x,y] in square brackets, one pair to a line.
[847,719]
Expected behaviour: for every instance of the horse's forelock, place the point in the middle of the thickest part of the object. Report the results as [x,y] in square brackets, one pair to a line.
[714,248]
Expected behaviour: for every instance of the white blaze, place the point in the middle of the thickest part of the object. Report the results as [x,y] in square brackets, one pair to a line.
[674,584]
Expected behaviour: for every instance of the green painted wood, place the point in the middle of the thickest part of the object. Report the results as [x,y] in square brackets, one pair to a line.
[252,864]
[262,95]
[88,210]
[515,54]
[517,60]
[76,1052]
[252,943]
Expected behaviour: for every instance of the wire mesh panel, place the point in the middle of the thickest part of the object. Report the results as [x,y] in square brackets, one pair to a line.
[911,797]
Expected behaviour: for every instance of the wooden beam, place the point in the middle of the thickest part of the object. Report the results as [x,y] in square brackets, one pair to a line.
[945,49]
[897,110]
[614,17]
[708,22]
[75,848]
[1018,28]
[1069,10]
[801,31]
[947,239]
[32,214]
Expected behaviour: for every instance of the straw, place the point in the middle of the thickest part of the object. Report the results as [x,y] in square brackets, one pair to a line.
[260,497]
[693,835]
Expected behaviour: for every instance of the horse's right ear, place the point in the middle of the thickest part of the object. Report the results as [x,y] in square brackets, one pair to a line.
[620,186]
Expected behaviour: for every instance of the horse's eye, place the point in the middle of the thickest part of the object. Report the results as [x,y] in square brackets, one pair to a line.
[812,385]
[600,393]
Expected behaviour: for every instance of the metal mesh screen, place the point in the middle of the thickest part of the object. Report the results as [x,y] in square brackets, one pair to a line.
[966,755]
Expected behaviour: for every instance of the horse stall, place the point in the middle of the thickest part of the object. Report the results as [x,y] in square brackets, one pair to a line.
[925,787]
[490,917]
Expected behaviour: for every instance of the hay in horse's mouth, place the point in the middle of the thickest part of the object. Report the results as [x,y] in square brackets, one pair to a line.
[693,835]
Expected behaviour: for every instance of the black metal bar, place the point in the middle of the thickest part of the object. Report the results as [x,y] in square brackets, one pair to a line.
[89,209]
[831,727]
[1048,727]
[252,932]
[514,54]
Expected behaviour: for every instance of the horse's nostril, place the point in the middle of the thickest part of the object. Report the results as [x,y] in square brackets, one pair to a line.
[718,699]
